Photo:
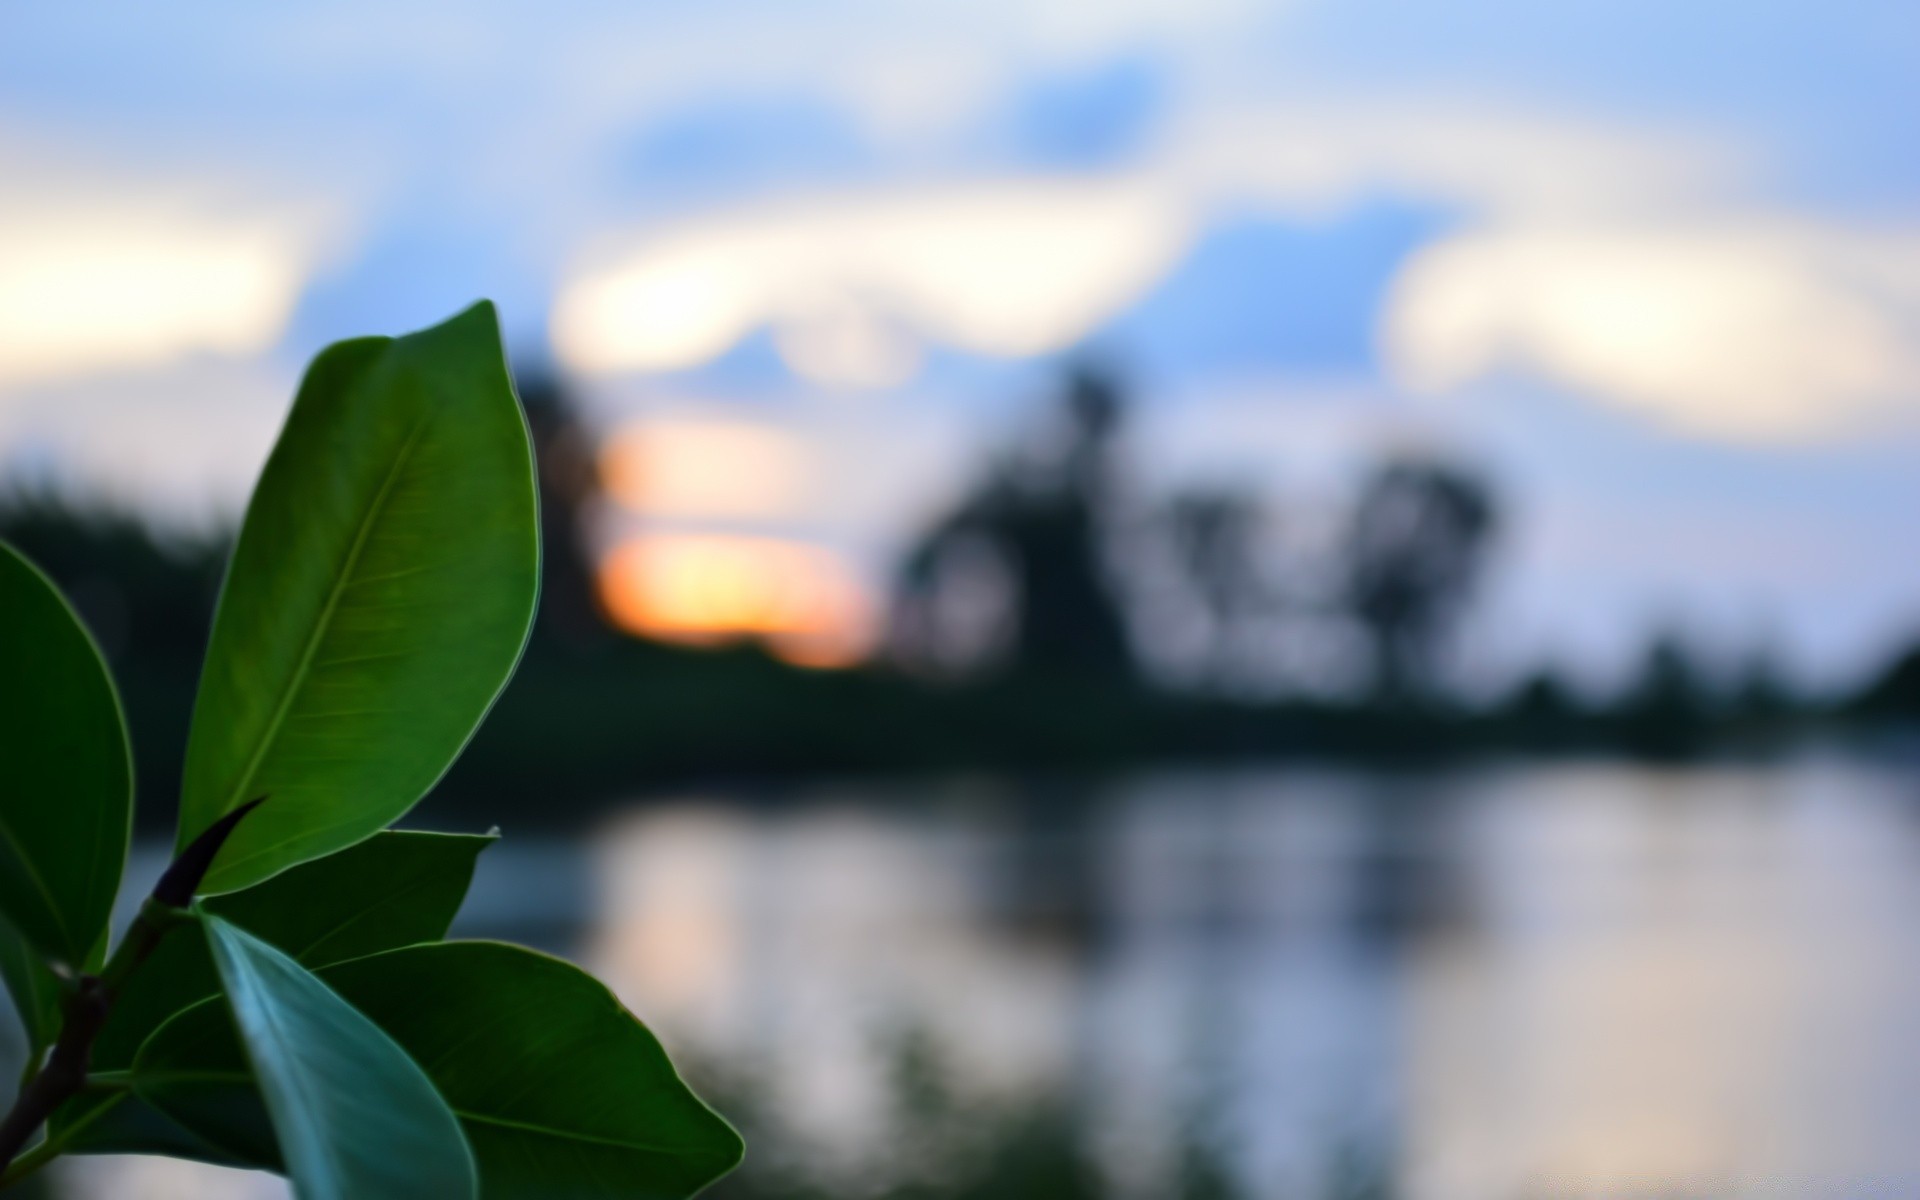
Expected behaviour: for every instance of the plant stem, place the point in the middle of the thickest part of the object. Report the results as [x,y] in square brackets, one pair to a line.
[32,1161]
[48,1150]
[85,1007]
[84,1013]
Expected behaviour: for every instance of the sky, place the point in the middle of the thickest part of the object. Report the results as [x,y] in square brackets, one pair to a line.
[1654,267]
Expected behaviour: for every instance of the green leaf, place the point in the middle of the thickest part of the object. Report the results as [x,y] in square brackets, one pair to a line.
[132,1126]
[379,595]
[34,987]
[67,804]
[353,1118]
[394,889]
[563,1094]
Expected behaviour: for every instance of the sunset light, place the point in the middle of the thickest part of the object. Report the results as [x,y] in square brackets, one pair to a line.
[704,467]
[706,588]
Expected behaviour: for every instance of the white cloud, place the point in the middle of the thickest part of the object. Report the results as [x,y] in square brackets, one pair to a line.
[850,281]
[109,270]
[1006,269]
[1321,155]
[1740,328]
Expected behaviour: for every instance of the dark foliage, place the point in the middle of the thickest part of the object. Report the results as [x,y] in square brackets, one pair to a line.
[596,716]
[1417,545]
[1041,522]
[148,600]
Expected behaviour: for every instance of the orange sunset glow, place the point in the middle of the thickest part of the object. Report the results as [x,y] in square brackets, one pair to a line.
[704,468]
[704,588]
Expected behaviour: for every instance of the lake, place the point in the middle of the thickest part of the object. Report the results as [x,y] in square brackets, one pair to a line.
[1563,980]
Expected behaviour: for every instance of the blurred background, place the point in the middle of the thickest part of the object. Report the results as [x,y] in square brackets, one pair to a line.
[1147,598]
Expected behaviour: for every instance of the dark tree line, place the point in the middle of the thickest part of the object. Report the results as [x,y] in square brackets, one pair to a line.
[1043,525]
[1027,597]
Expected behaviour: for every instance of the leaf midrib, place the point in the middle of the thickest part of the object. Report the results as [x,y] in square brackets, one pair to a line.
[325,620]
[291,1076]
[39,882]
[382,901]
[590,1139]
[242,1078]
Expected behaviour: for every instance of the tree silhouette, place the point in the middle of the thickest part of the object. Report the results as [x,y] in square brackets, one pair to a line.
[1416,546]
[1215,535]
[569,482]
[1895,691]
[1041,522]
[1665,712]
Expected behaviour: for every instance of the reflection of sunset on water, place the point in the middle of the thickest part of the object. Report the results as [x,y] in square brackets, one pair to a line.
[1562,981]
[702,588]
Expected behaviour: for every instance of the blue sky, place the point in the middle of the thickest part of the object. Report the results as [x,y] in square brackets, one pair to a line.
[1656,265]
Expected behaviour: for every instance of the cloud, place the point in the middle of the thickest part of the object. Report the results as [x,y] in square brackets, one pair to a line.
[1755,328]
[1321,155]
[852,280]
[1004,269]
[110,270]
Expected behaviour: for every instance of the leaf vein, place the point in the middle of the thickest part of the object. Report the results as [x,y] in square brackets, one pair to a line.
[320,625]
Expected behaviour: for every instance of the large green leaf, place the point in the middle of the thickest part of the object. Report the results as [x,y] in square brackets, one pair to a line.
[34,988]
[394,889]
[125,1124]
[352,1117]
[562,1093]
[379,596]
[66,804]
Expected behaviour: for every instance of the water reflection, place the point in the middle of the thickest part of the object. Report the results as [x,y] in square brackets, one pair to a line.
[1518,982]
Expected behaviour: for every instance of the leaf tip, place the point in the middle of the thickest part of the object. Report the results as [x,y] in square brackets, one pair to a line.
[184,875]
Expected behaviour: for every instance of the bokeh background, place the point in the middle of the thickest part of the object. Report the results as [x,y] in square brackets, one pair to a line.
[1228,598]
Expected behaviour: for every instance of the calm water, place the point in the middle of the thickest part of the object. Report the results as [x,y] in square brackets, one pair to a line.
[1523,982]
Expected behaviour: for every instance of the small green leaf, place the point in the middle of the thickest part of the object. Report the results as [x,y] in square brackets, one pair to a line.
[563,1093]
[353,1118]
[394,889]
[66,807]
[378,599]
[34,987]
